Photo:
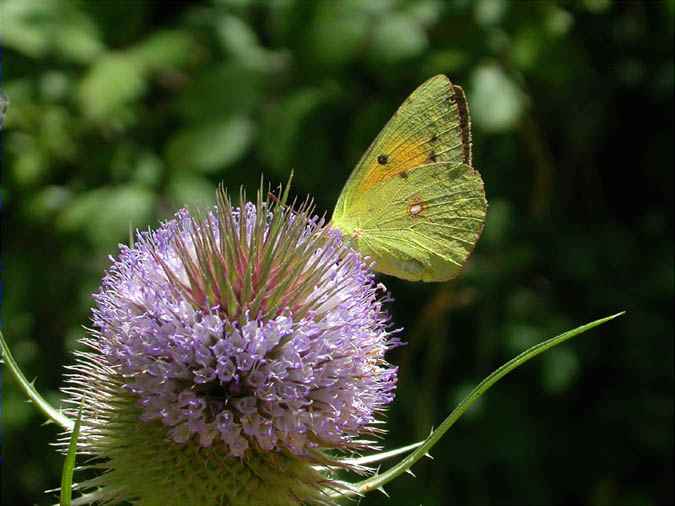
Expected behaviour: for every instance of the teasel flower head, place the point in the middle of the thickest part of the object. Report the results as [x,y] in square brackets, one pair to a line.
[234,356]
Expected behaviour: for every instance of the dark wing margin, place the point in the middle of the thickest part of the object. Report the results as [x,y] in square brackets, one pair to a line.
[464,121]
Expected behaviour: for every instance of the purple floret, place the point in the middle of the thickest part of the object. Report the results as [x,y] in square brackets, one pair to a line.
[273,383]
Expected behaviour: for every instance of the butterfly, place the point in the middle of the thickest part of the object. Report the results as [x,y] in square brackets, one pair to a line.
[413,203]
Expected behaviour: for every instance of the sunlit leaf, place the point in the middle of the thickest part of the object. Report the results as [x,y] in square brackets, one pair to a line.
[240,41]
[110,84]
[38,27]
[104,214]
[426,12]
[558,21]
[559,370]
[496,101]
[55,85]
[489,12]
[30,166]
[395,38]
[165,49]
[77,37]
[192,191]
[48,201]
[211,147]
[23,26]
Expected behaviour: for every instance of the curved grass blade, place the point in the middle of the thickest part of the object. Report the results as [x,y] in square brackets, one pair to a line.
[29,389]
[69,464]
[378,481]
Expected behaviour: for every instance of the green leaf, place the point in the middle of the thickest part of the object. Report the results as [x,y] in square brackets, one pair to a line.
[47,201]
[496,101]
[30,166]
[283,124]
[396,38]
[560,368]
[489,12]
[38,27]
[192,191]
[76,36]
[23,26]
[338,32]
[239,40]
[56,133]
[69,463]
[211,147]
[113,82]
[166,49]
[379,480]
[527,46]
[425,12]
[558,21]
[104,214]
[29,389]
[203,99]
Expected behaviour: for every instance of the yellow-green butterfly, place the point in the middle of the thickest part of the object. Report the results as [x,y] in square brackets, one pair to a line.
[413,203]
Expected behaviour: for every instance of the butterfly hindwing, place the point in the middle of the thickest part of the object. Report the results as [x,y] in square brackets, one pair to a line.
[423,226]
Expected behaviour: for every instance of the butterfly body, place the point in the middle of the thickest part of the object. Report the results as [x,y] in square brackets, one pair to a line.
[413,203]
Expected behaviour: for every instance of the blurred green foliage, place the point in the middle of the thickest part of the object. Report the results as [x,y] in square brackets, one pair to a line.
[121,112]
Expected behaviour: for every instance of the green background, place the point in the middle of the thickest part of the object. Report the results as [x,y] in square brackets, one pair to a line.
[121,112]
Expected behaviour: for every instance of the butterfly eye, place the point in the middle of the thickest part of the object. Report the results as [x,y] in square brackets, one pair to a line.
[383,159]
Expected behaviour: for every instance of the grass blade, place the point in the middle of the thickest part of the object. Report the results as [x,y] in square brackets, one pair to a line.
[379,480]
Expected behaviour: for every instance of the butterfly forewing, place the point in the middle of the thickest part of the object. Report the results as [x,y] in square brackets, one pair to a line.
[432,125]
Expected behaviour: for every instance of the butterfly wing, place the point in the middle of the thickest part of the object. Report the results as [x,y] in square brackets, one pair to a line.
[432,125]
[423,226]
[414,203]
